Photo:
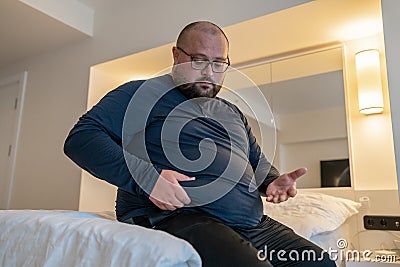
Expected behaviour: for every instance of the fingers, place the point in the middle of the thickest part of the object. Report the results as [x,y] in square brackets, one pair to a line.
[281,196]
[161,205]
[166,204]
[167,193]
[269,198]
[181,177]
[182,197]
[297,173]
[277,198]
[181,194]
[277,194]
[292,192]
[169,197]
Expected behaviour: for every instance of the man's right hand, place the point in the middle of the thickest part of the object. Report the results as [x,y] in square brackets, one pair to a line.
[167,193]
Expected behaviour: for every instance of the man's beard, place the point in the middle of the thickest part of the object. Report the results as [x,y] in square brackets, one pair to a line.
[196,89]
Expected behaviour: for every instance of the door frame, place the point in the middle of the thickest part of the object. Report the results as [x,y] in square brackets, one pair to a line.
[21,79]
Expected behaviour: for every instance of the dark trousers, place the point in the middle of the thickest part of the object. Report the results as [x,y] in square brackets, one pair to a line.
[268,244]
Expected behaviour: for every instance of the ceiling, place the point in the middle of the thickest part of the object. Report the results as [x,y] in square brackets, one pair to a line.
[26,31]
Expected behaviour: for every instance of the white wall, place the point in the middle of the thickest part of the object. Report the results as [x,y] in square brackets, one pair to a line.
[391,27]
[55,98]
[306,138]
[309,154]
[58,80]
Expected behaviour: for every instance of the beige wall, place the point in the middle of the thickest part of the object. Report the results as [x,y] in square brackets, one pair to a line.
[58,81]
[370,136]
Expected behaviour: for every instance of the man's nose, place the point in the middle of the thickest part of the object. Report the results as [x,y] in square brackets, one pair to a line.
[207,71]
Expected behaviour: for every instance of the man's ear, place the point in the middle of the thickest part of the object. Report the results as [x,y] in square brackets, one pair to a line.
[175,54]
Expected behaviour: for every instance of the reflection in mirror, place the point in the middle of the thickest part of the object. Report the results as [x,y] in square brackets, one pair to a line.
[311,123]
[306,96]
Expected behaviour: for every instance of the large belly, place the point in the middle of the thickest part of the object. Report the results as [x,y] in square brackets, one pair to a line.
[217,155]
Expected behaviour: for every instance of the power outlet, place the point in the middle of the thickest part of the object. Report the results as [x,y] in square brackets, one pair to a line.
[377,222]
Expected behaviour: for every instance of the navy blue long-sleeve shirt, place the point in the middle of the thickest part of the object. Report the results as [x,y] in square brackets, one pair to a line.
[142,127]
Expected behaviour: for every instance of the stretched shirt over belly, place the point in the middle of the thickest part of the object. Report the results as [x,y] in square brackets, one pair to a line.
[136,131]
[206,139]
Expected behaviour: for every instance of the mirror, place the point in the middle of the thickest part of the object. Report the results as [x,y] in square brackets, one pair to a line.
[306,96]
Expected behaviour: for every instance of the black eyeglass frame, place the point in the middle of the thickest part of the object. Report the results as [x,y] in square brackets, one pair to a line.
[197,59]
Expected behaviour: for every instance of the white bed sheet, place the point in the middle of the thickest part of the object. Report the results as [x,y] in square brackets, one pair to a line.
[70,238]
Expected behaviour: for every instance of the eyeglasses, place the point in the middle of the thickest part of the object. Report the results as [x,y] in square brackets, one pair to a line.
[202,63]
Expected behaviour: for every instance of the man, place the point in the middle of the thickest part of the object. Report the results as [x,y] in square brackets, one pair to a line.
[186,162]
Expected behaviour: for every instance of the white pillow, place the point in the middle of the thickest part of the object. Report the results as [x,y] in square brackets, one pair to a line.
[309,214]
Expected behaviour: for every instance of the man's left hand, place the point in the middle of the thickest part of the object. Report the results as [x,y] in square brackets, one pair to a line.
[284,186]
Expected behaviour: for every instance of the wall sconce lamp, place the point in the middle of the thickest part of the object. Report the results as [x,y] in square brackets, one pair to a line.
[370,97]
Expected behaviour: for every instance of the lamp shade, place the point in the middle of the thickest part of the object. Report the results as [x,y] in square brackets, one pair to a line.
[370,97]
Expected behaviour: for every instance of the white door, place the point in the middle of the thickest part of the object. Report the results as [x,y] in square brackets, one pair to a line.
[8,119]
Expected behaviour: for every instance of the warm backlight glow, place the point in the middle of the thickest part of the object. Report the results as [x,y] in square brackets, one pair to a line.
[370,98]
[361,28]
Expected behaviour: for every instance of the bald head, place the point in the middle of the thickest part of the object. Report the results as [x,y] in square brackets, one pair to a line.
[203,43]
[207,27]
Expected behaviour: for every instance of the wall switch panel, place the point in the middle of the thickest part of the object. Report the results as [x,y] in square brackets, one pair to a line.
[377,222]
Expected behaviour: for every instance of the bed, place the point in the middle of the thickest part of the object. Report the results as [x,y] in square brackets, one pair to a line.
[327,220]
[72,238]
[68,238]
